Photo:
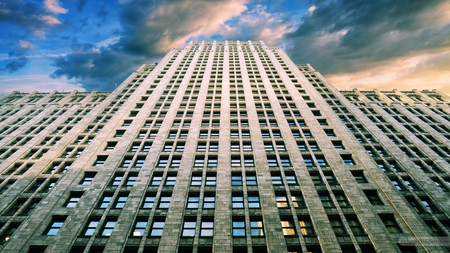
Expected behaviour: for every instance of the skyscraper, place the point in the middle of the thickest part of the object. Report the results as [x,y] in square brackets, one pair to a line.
[225,147]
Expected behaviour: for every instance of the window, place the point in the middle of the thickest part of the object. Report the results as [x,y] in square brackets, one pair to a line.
[55,225]
[251,179]
[354,225]
[256,228]
[199,161]
[330,133]
[317,180]
[337,225]
[189,228]
[321,161]
[171,179]
[121,200]
[281,200]
[391,224]
[163,161]
[210,180]
[253,201]
[73,199]
[193,202]
[297,200]
[397,184]
[149,201]
[236,179]
[338,145]
[88,178]
[101,159]
[207,229]
[238,228]
[237,201]
[104,202]
[30,207]
[308,161]
[156,179]
[119,133]
[8,233]
[209,202]
[110,145]
[306,226]
[276,179]
[326,199]
[287,227]
[290,178]
[196,180]
[348,160]
[91,226]
[116,180]
[108,228]
[373,197]
[131,180]
[341,199]
[164,201]
[359,176]
[139,227]
[285,161]
[329,176]
[157,227]
[139,162]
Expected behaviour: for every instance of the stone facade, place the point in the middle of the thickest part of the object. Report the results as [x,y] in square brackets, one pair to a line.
[225,147]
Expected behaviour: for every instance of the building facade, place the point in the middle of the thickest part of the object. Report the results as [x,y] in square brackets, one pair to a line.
[225,147]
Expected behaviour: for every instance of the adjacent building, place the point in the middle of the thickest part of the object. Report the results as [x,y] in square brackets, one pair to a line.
[225,147]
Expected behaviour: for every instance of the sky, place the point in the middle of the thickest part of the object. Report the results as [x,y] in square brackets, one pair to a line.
[83,45]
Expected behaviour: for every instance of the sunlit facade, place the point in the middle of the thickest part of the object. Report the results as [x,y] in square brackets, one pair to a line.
[225,147]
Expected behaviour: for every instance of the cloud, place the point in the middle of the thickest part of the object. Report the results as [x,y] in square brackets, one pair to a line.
[53,6]
[149,30]
[26,45]
[16,64]
[351,41]
[50,20]
[26,16]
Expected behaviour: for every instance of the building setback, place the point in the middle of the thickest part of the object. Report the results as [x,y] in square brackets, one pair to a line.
[225,147]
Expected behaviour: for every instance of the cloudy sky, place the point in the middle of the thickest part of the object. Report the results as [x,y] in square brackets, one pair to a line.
[48,45]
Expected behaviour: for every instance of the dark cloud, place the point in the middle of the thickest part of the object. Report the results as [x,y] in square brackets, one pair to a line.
[16,64]
[345,35]
[26,15]
[99,69]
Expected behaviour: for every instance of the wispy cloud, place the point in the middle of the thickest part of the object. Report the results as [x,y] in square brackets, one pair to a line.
[54,6]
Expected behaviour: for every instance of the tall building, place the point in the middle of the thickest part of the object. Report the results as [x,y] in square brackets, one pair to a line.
[225,147]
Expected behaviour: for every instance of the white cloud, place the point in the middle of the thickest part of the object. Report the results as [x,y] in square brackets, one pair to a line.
[53,6]
[50,20]
[312,9]
[26,45]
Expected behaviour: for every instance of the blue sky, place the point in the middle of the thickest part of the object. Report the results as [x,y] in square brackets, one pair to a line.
[93,45]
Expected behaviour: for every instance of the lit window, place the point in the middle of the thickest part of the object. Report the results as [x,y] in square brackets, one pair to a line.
[139,228]
[288,227]
[256,228]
